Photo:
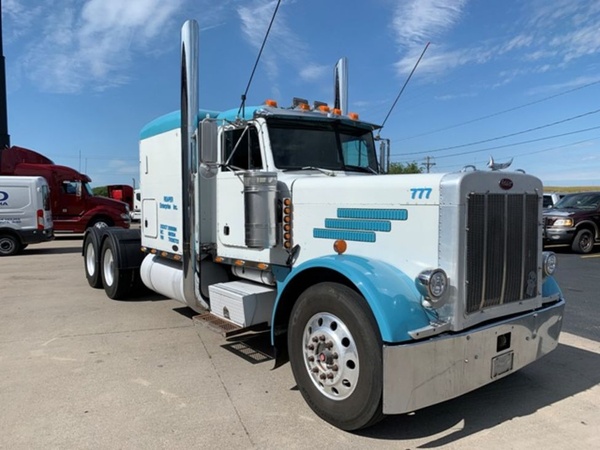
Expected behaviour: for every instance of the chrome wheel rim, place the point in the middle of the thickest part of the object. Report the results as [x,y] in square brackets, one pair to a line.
[107,266]
[330,356]
[90,259]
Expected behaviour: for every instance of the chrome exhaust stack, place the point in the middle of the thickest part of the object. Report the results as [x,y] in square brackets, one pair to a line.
[189,160]
[340,85]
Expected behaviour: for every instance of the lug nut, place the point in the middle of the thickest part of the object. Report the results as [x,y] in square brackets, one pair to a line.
[328,344]
[322,376]
[315,339]
[311,358]
[335,368]
[311,347]
[330,376]
[314,369]
[322,337]
[335,356]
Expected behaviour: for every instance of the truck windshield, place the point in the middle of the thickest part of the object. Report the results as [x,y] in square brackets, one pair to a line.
[325,145]
[88,189]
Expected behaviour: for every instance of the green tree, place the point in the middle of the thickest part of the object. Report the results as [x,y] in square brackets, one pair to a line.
[412,167]
[101,191]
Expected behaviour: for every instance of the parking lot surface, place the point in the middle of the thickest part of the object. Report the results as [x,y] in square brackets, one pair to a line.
[79,370]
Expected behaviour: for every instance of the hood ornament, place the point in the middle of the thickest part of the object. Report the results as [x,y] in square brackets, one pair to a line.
[498,166]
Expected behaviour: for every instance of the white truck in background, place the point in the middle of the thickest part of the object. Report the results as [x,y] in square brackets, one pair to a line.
[136,212]
[388,293]
[25,215]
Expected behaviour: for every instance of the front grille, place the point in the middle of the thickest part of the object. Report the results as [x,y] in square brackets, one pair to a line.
[502,249]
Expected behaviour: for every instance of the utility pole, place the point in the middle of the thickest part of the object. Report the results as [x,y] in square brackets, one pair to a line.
[428,163]
[4,136]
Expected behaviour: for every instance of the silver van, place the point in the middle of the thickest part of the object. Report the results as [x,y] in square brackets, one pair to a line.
[25,215]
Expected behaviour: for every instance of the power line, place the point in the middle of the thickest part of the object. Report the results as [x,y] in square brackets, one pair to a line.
[499,112]
[539,151]
[515,143]
[529,130]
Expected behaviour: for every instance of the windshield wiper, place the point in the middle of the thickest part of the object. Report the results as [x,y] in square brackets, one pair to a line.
[329,173]
[367,169]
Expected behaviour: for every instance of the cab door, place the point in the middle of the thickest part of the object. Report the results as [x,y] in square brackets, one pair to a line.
[241,151]
[71,201]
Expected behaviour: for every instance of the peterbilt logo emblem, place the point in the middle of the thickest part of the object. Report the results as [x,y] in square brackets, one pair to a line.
[506,184]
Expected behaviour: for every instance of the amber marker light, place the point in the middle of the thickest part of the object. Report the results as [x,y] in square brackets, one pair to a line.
[337,111]
[353,116]
[262,266]
[271,103]
[340,246]
[304,106]
[239,262]
[324,108]
[218,259]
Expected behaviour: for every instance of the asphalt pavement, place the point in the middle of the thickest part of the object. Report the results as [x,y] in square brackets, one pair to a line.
[81,371]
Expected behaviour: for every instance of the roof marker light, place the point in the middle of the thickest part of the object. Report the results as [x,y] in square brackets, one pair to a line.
[271,103]
[353,116]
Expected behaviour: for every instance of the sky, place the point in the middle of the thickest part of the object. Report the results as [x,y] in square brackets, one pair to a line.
[508,79]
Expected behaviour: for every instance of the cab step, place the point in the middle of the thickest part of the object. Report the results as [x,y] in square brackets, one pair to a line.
[225,327]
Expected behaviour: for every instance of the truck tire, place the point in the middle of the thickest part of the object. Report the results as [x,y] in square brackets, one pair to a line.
[91,258]
[117,282]
[583,242]
[9,245]
[335,352]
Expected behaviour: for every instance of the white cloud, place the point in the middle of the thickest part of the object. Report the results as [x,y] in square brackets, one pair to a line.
[557,33]
[418,21]
[82,46]
[570,84]
[283,46]
[282,43]
[313,72]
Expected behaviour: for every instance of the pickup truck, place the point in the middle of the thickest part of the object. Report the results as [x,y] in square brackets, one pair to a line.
[551,198]
[574,220]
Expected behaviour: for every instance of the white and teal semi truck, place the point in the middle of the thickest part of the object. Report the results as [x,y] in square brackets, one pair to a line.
[387,293]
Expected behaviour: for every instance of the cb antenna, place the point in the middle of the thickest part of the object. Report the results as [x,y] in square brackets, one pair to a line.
[243,105]
[402,90]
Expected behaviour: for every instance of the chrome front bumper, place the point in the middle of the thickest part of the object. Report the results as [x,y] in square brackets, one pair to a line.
[424,373]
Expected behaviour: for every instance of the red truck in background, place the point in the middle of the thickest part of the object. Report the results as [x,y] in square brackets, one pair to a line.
[74,206]
[122,192]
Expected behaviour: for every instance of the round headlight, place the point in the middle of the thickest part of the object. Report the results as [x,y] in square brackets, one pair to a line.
[432,284]
[549,262]
[437,284]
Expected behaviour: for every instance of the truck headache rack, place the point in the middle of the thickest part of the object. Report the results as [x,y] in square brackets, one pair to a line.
[502,249]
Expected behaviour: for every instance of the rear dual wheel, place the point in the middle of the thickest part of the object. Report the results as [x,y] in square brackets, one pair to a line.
[335,352]
[91,258]
[118,283]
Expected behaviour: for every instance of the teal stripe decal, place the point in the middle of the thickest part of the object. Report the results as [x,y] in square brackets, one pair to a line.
[359,236]
[349,224]
[385,214]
